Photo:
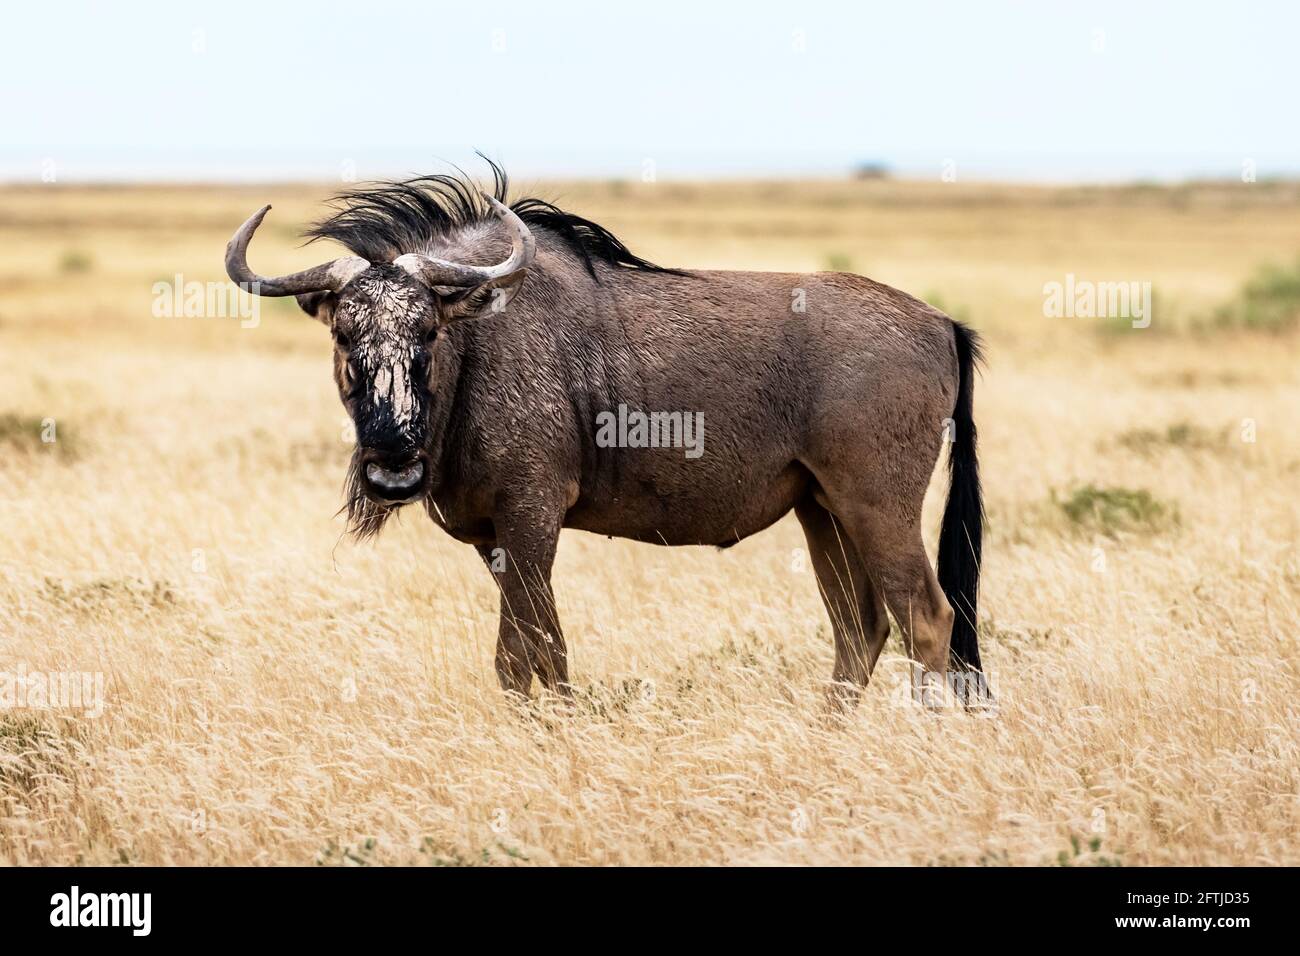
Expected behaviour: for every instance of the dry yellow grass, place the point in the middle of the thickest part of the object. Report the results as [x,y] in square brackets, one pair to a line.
[275,694]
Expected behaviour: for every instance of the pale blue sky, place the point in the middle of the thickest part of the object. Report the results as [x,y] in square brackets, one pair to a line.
[1039,91]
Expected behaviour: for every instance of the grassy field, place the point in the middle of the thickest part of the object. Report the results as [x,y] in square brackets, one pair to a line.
[275,693]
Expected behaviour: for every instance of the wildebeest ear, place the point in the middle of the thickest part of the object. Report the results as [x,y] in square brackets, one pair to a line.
[482,301]
[319,305]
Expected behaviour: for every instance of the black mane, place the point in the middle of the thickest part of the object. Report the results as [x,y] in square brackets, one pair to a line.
[384,220]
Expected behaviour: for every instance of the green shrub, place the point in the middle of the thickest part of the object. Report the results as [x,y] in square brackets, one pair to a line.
[35,434]
[1267,302]
[1077,855]
[1111,510]
[75,262]
[1184,435]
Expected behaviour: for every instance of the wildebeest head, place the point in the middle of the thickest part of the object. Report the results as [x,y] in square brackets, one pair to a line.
[385,318]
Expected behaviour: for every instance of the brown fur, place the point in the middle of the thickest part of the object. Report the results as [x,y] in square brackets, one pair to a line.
[836,411]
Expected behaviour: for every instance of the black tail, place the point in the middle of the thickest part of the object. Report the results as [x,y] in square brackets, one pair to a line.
[963,518]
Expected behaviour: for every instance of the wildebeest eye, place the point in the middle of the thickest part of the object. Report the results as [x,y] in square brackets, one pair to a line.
[420,365]
[342,340]
[351,379]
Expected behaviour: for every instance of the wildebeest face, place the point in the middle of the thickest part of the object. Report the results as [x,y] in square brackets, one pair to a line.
[384,323]
[384,318]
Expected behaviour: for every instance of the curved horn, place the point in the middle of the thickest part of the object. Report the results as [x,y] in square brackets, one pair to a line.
[434,272]
[332,275]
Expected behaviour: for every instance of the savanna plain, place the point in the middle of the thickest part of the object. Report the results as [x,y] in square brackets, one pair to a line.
[275,693]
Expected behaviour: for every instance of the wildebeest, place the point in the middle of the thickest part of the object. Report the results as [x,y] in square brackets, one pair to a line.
[479,347]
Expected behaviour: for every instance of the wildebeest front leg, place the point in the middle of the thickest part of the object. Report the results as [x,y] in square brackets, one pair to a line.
[529,639]
[513,665]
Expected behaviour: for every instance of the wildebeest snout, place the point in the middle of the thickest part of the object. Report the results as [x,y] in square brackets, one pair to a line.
[394,482]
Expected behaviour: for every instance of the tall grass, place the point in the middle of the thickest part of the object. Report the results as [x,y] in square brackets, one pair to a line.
[276,694]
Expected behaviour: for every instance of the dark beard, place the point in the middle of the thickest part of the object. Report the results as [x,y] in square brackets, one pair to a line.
[365,517]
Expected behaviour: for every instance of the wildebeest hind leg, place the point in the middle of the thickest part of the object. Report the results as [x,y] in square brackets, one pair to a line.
[858,619]
[895,560]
